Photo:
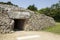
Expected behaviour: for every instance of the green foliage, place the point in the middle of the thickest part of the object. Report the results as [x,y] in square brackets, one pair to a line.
[53,11]
[32,8]
[8,3]
[45,11]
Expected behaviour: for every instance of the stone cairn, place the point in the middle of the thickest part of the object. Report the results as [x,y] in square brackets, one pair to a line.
[34,23]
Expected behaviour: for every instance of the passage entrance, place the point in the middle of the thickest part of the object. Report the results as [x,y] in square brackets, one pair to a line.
[19,24]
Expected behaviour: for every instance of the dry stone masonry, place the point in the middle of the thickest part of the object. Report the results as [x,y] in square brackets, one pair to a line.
[11,16]
[5,23]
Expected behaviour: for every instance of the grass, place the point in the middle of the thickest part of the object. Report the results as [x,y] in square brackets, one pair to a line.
[54,29]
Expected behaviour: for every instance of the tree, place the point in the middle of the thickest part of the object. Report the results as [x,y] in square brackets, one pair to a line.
[32,7]
[45,11]
[53,11]
[8,3]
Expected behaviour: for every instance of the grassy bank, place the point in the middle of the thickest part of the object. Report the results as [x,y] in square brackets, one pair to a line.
[54,29]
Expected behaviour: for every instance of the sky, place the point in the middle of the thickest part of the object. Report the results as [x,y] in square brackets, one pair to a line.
[38,3]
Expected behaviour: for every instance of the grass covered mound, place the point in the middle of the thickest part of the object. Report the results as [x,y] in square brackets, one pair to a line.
[54,29]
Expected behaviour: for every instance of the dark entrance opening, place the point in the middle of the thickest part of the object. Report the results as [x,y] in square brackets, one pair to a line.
[19,24]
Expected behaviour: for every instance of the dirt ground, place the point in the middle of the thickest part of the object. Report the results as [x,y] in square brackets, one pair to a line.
[43,35]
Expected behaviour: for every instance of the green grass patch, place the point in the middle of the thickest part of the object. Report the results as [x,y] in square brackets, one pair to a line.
[54,29]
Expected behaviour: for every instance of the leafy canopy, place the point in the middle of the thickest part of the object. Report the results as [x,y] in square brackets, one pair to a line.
[32,7]
[8,3]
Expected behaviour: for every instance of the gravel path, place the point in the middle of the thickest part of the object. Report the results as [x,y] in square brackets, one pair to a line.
[43,35]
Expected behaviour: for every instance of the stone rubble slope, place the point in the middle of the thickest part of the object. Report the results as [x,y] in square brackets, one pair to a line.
[39,22]
[5,22]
